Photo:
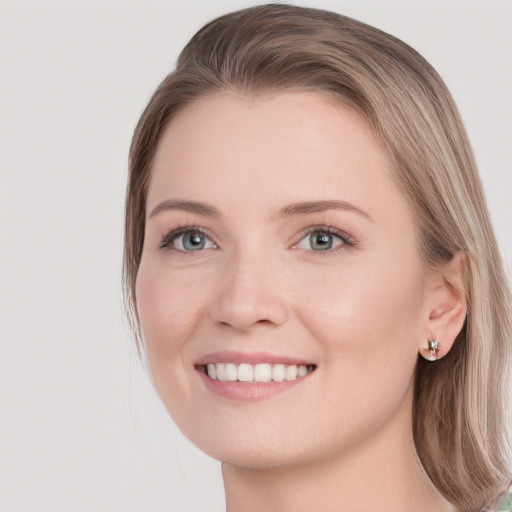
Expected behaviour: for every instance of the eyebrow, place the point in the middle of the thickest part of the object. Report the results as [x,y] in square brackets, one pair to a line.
[302,208]
[306,207]
[187,206]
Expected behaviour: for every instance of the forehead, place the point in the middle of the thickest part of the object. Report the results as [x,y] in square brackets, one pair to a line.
[299,144]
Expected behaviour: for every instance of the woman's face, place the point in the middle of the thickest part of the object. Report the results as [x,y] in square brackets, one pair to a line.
[278,248]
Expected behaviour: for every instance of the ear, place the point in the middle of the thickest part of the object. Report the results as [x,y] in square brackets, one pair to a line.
[446,306]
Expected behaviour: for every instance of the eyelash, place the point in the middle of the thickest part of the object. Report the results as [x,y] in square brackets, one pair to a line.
[173,235]
[347,240]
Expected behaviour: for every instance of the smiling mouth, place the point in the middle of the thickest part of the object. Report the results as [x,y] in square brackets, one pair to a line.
[261,372]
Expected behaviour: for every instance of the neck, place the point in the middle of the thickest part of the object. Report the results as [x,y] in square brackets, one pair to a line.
[380,475]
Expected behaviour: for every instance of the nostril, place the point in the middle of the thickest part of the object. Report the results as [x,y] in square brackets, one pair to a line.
[248,324]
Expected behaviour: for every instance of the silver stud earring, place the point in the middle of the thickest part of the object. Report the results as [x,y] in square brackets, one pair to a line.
[433,348]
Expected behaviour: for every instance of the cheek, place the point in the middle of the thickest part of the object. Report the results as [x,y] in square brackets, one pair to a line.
[370,311]
[368,321]
[168,312]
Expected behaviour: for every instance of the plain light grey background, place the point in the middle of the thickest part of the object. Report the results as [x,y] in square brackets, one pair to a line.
[80,427]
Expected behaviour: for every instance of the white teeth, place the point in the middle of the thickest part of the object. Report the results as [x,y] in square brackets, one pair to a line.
[245,372]
[278,373]
[291,372]
[261,372]
[212,370]
[221,371]
[231,372]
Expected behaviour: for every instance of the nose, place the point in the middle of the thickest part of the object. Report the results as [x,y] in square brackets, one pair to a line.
[251,293]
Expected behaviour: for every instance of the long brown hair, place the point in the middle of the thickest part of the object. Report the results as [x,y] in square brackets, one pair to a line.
[459,408]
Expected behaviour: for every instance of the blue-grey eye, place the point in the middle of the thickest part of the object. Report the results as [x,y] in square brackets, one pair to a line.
[187,241]
[321,240]
[193,241]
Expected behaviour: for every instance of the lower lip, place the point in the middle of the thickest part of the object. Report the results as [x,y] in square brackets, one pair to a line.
[249,391]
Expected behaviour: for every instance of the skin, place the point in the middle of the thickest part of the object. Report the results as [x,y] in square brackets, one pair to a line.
[341,439]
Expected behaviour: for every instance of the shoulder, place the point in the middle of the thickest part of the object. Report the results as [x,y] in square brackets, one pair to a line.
[502,503]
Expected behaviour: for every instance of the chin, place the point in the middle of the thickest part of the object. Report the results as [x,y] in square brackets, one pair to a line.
[249,446]
[254,456]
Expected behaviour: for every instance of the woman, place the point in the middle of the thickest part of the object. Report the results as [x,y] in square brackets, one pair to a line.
[312,273]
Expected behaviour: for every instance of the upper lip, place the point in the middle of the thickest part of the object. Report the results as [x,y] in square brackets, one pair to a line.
[228,356]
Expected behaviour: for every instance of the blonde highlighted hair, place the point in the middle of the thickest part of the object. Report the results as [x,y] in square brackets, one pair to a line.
[459,407]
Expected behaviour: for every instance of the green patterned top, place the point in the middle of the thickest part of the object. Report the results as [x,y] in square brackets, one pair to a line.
[502,503]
